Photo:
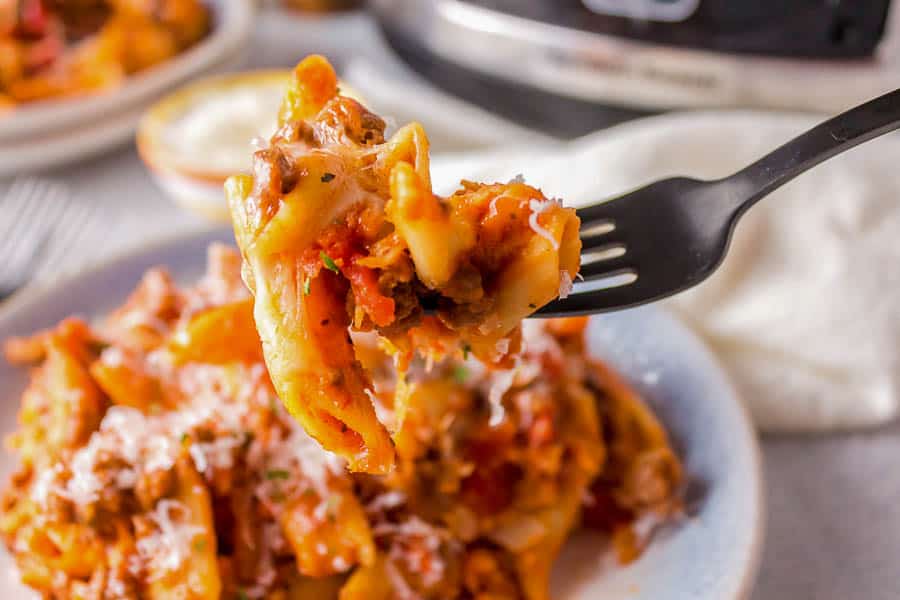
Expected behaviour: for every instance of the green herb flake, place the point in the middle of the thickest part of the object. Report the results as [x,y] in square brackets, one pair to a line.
[306,283]
[532,305]
[309,493]
[274,403]
[200,545]
[460,374]
[273,474]
[327,177]
[328,262]
[242,595]
[185,438]
[331,507]
[466,349]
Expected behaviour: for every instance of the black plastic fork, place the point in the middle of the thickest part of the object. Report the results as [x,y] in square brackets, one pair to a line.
[670,235]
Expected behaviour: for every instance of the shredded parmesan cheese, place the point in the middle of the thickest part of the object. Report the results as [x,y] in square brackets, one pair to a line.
[306,466]
[386,501]
[129,444]
[565,284]
[167,549]
[398,582]
[537,207]
[406,534]
[46,483]
[501,383]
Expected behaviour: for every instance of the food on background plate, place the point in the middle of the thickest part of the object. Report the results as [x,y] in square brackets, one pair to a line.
[340,229]
[156,462]
[54,48]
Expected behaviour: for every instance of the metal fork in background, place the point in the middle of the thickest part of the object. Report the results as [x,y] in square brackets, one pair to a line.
[671,235]
[43,233]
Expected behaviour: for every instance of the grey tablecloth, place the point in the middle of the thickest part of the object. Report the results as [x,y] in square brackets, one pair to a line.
[833,501]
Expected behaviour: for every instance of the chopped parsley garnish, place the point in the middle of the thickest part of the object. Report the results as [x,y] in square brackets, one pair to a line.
[185,438]
[306,287]
[242,595]
[200,545]
[327,177]
[328,262]
[274,404]
[331,507]
[309,493]
[273,474]
[460,374]
[466,349]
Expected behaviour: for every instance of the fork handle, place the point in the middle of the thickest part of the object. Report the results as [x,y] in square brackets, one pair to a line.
[839,134]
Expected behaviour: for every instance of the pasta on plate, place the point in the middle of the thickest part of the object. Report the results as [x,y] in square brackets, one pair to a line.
[157,462]
[55,48]
[339,228]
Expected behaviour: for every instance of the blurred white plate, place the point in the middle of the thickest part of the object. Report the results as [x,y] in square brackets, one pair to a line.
[232,27]
[38,152]
[711,555]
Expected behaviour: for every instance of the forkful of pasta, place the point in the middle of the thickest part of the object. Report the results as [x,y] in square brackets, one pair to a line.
[669,236]
[340,231]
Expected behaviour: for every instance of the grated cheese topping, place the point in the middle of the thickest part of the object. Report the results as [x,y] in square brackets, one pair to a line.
[537,207]
[500,383]
[168,548]
[386,501]
[565,284]
[302,462]
[129,444]
[430,569]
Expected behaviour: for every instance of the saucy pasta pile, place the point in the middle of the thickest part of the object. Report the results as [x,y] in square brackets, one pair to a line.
[52,48]
[157,462]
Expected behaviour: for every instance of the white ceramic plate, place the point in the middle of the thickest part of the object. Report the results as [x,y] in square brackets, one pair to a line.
[34,153]
[712,555]
[232,26]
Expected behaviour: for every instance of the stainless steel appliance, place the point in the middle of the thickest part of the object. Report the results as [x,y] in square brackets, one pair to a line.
[570,66]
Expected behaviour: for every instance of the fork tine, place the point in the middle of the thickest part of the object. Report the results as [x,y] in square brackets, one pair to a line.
[606,268]
[605,211]
[585,303]
[23,203]
[601,251]
[598,228]
[70,233]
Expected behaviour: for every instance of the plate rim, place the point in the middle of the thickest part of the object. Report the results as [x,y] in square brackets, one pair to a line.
[78,144]
[744,582]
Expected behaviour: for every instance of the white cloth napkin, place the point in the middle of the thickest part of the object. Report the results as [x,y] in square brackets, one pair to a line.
[805,312]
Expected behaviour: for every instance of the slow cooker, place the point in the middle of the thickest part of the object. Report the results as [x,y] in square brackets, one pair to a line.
[571,66]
